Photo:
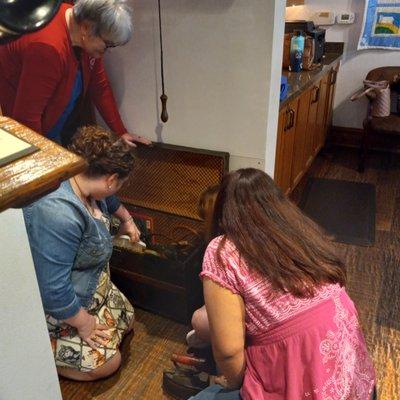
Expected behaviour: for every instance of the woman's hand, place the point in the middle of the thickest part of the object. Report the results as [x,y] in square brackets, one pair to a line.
[128,227]
[131,138]
[220,380]
[93,333]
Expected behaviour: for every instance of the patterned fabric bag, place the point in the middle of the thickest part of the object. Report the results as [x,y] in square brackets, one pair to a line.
[378,93]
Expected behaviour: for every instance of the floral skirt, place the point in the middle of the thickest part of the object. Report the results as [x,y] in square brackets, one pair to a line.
[110,307]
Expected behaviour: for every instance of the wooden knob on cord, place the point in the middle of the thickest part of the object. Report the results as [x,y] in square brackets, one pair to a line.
[164,113]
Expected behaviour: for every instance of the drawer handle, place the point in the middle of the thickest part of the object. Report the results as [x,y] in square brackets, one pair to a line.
[293,115]
[334,77]
[286,127]
[316,96]
[291,119]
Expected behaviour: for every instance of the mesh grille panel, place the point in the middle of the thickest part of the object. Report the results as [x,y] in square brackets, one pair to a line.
[171,179]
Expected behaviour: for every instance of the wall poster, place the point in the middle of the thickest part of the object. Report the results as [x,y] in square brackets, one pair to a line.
[381,25]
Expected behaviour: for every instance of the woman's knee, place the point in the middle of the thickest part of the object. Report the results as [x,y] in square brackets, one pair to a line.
[200,323]
[104,371]
[107,369]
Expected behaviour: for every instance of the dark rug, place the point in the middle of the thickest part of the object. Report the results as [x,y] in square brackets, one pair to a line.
[388,310]
[344,209]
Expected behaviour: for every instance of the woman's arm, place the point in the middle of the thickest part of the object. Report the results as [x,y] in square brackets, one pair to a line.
[103,98]
[128,226]
[40,75]
[118,210]
[55,230]
[227,328]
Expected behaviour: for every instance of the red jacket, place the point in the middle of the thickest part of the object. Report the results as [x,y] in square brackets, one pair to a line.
[37,74]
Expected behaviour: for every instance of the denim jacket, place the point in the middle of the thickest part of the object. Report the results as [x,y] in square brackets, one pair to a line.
[70,249]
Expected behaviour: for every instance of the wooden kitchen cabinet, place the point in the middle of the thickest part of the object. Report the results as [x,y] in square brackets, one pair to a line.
[320,129]
[302,130]
[311,126]
[301,136]
[285,145]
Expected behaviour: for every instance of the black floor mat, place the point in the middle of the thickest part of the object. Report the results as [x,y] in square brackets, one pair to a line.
[344,209]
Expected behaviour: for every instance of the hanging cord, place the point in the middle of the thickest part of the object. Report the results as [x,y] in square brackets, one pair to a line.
[163,97]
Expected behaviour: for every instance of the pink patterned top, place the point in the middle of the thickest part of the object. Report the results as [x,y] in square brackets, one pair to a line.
[263,310]
[303,349]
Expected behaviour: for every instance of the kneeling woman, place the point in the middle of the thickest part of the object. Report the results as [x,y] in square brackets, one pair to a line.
[282,326]
[68,230]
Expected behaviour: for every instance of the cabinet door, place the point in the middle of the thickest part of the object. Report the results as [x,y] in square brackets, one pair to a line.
[331,97]
[320,133]
[311,125]
[284,148]
[300,137]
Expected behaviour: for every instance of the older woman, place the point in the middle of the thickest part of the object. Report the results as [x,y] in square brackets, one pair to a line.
[45,75]
[87,316]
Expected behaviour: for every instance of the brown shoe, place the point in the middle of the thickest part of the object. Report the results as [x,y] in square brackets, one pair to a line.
[184,383]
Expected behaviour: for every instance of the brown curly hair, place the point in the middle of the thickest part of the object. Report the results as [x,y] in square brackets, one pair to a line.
[104,152]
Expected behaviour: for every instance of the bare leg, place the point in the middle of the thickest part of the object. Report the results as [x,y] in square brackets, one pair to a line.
[104,371]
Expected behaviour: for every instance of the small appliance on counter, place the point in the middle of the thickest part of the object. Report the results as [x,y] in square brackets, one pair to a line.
[296,51]
[317,34]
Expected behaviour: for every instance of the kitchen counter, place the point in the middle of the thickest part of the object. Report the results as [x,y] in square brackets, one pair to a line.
[300,81]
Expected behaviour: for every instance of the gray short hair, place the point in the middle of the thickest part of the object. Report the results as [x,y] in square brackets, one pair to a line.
[112,19]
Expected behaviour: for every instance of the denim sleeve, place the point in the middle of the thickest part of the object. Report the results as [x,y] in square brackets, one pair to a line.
[113,204]
[55,228]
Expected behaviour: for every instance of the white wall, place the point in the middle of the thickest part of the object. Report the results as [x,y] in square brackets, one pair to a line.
[277,27]
[27,369]
[355,64]
[217,58]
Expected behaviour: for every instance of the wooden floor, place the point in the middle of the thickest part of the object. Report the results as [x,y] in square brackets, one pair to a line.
[374,285]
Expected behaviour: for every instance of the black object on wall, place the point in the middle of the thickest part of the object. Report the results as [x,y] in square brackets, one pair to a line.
[23,16]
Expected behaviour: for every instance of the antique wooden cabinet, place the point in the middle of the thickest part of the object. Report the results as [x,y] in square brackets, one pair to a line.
[162,195]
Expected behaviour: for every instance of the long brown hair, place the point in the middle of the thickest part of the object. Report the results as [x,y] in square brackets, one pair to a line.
[273,236]
[205,209]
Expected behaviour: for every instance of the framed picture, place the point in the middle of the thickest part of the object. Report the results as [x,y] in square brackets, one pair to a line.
[381,26]
[13,148]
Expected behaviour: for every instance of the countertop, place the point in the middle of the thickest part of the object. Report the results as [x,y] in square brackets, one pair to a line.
[301,81]
[25,179]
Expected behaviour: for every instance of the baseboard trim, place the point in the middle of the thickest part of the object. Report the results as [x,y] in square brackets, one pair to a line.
[351,137]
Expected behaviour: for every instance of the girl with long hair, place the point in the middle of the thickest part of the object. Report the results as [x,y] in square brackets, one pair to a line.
[281,324]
